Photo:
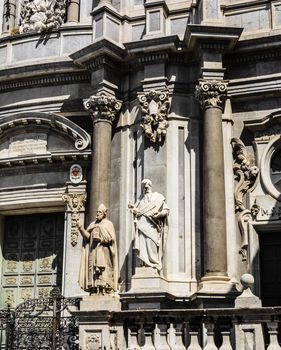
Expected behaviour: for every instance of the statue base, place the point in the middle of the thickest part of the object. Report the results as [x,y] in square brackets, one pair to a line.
[95,331]
[148,290]
[148,279]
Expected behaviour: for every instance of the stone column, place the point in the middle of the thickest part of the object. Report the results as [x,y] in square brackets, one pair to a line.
[104,109]
[211,95]
[73,8]
[9,15]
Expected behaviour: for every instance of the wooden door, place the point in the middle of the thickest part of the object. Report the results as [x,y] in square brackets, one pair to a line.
[32,257]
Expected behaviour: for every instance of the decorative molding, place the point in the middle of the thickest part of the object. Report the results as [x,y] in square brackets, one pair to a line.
[211,93]
[57,157]
[75,204]
[103,107]
[155,106]
[246,172]
[93,342]
[41,15]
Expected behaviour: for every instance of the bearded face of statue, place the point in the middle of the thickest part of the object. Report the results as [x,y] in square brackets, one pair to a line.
[100,215]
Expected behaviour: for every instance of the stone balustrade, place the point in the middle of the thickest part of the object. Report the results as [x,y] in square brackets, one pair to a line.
[212,329]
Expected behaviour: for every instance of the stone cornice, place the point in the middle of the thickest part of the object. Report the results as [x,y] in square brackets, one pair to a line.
[103,107]
[96,51]
[255,86]
[211,93]
[48,80]
[52,158]
[43,74]
[164,44]
[197,35]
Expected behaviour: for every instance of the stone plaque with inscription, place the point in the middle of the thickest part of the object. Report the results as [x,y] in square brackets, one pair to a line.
[23,145]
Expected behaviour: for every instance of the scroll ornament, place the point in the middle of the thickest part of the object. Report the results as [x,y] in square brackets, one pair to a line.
[103,106]
[75,202]
[246,173]
[41,15]
[211,93]
[155,106]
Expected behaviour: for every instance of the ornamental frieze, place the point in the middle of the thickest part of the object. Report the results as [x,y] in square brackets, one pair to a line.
[103,107]
[211,93]
[155,107]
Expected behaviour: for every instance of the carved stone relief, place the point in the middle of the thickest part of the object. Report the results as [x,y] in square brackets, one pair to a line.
[23,145]
[246,173]
[75,203]
[155,107]
[103,106]
[41,15]
[211,93]
[93,342]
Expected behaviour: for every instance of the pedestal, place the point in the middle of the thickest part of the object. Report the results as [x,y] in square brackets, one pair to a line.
[95,331]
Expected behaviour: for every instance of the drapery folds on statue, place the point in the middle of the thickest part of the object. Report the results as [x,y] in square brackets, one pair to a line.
[151,226]
[99,261]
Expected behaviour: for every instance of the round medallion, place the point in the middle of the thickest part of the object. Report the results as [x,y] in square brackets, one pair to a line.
[76,173]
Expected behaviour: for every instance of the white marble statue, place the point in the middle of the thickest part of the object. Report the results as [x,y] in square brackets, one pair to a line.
[99,263]
[151,226]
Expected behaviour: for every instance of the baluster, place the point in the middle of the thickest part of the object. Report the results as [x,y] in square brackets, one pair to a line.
[160,337]
[148,344]
[273,332]
[178,338]
[210,344]
[133,338]
[226,344]
[194,343]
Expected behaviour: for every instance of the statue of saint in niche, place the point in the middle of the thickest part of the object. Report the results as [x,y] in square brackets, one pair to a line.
[99,262]
[151,226]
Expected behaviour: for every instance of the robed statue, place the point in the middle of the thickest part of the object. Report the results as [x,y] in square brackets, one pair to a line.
[99,265]
[150,226]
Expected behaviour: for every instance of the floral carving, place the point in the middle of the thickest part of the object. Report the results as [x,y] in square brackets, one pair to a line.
[75,202]
[246,173]
[155,106]
[103,106]
[211,93]
[42,15]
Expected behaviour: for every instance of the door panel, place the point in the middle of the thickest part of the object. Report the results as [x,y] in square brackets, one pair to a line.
[32,257]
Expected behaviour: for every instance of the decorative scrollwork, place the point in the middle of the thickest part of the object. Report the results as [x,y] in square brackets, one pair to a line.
[75,203]
[103,106]
[211,93]
[155,106]
[246,173]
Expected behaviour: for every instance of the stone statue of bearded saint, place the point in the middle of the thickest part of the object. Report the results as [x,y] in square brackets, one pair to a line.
[151,226]
[99,263]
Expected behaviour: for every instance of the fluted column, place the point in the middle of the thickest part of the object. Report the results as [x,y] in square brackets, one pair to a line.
[104,109]
[211,95]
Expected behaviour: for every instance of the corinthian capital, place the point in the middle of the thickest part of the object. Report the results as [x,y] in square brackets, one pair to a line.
[211,93]
[103,107]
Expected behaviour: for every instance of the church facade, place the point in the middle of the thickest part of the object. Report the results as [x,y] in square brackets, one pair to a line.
[167,114]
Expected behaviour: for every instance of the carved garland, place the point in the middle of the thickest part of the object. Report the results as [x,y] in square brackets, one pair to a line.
[75,203]
[246,173]
[103,106]
[211,93]
[155,106]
